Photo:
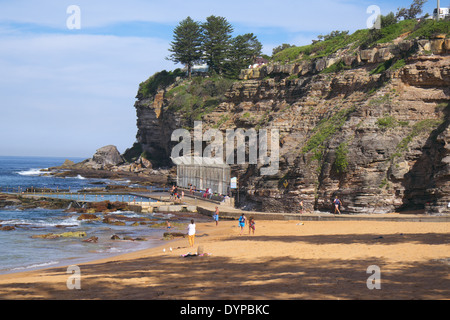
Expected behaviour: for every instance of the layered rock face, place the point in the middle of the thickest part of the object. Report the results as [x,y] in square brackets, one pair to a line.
[155,126]
[379,141]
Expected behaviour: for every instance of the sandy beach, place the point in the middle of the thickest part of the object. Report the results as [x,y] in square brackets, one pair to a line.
[283,260]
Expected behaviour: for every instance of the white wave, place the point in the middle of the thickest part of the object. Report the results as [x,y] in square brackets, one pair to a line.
[80,177]
[110,250]
[129,213]
[67,222]
[72,221]
[15,221]
[38,265]
[31,172]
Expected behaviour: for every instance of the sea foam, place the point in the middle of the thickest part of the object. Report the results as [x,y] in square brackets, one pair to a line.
[31,172]
[37,265]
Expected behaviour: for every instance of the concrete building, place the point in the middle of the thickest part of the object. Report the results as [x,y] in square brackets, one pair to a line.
[203,173]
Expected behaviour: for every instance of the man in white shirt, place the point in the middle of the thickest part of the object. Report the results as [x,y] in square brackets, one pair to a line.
[191,233]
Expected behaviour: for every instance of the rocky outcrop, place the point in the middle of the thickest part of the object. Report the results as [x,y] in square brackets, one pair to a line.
[108,163]
[72,234]
[377,139]
[104,158]
[22,202]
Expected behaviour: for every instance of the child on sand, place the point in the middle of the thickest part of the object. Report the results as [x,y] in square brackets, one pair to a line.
[216,216]
[251,225]
[241,223]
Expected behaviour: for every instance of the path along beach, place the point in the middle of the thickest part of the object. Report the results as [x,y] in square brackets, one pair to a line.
[282,260]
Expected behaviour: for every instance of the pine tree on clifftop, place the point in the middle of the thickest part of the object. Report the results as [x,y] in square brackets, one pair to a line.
[216,42]
[186,44]
[244,49]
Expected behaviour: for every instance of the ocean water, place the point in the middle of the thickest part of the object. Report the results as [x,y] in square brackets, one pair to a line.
[20,252]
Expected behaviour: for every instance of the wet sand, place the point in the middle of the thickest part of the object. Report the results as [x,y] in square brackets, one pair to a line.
[283,260]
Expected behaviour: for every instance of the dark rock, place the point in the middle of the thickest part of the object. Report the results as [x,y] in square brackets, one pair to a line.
[88,216]
[91,239]
[8,228]
[174,234]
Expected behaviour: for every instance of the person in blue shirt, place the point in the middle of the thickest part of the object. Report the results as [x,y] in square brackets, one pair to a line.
[242,223]
[337,205]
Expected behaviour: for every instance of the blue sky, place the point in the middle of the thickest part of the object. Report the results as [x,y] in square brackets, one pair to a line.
[67,92]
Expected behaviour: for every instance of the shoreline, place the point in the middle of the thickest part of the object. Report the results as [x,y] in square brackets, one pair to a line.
[283,260]
[79,260]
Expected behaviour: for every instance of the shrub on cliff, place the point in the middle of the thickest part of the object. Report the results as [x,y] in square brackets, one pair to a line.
[198,97]
[341,161]
[159,80]
[326,128]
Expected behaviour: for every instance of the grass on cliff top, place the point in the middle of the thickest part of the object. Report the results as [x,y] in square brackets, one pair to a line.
[364,39]
[427,28]
[158,81]
[320,48]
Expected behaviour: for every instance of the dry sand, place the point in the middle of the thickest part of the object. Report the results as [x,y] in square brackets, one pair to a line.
[283,260]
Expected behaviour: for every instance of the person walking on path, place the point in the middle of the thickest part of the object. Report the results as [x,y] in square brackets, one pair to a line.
[301,206]
[216,216]
[242,223]
[251,225]
[337,205]
[191,233]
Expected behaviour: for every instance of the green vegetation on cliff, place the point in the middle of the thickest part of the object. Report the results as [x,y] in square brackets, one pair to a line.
[198,96]
[319,48]
[341,161]
[326,128]
[364,38]
[158,81]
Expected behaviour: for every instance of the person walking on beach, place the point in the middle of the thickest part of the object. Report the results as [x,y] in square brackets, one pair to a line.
[216,216]
[337,205]
[191,233]
[301,206]
[251,225]
[242,223]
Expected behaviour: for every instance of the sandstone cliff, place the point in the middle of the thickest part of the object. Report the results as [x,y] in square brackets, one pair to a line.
[371,126]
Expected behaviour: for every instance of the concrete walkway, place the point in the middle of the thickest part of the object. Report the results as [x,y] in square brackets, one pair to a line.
[208,207]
